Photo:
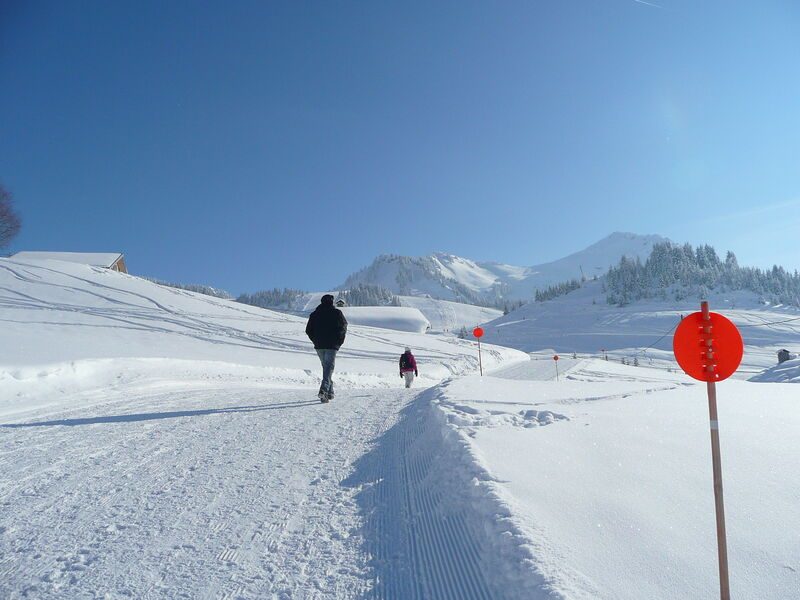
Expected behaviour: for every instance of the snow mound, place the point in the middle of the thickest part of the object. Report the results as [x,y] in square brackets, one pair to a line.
[446,316]
[399,318]
[786,372]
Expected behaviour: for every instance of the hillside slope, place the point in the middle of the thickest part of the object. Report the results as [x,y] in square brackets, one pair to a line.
[57,314]
[582,321]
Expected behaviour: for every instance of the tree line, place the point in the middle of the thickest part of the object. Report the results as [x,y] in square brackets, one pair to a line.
[681,271]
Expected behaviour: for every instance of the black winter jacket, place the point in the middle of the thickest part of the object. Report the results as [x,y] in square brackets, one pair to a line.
[327,327]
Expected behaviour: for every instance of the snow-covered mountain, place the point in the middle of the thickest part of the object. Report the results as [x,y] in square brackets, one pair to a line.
[451,277]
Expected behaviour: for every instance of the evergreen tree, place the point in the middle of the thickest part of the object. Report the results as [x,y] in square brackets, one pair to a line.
[283,299]
[683,271]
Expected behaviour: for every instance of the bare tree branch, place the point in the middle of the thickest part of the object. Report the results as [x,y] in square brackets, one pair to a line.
[9,220]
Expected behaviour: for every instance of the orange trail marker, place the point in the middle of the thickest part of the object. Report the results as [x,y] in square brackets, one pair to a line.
[478,333]
[709,348]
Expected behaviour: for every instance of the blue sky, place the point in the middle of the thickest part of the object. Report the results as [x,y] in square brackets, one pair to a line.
[257,144]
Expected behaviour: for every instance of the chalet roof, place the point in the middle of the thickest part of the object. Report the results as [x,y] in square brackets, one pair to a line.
[95,259]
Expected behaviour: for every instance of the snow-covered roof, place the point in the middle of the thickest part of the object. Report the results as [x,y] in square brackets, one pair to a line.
[95,259]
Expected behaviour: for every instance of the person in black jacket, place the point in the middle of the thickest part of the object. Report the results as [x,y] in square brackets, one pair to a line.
[327,328]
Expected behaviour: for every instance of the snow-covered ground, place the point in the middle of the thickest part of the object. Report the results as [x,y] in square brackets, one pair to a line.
[786,372]
[603,480]
[161,443]
[446,316]
[158,443]
[399,318]
[583,322]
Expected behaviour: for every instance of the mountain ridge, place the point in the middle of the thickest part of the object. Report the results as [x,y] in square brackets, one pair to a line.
[448,276]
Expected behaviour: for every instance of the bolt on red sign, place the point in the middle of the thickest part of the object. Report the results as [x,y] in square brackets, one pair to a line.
[708,350]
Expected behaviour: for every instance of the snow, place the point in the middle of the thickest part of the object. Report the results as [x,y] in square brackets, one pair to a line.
[95,259]
[58,312]
[465,271]
[446,316]
[583,322]
[786,372]
[487,278]
[399,318]
[162,443]
[606,483]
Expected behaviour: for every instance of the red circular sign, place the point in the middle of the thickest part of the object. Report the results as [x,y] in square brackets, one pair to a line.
[555,357]
[477,332]
[708,350]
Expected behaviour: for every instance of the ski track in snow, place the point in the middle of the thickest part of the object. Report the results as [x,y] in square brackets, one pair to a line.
[202,494]
[420,543]
[215,493]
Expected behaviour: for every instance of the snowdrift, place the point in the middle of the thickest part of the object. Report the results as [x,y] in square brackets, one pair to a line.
[450,317]
[399,318]
[786,372]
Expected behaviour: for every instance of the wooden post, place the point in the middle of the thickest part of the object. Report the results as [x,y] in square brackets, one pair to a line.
[722,542]
[480,360]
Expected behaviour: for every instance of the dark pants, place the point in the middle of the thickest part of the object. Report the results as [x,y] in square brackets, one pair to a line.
[328,360]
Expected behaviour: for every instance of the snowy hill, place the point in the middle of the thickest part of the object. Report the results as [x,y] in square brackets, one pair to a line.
[583,322]
[450,277]
[57,315]
[446,316]
[442,315]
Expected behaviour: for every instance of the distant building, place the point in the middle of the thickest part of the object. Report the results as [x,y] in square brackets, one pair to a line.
[784,355]
[107,260]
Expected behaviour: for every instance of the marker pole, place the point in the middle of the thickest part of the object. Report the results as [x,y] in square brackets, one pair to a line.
[722,542]
[480,360]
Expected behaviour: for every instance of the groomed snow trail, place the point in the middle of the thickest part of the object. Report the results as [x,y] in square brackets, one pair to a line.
[420,537]
[231,493]
[204,494]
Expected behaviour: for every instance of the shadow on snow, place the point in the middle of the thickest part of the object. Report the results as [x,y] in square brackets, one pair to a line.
[162,415]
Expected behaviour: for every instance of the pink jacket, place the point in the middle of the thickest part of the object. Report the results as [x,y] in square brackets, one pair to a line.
[408,363]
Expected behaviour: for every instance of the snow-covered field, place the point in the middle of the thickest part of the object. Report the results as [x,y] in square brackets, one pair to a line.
[158,443]
[604,484]
[584,323]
